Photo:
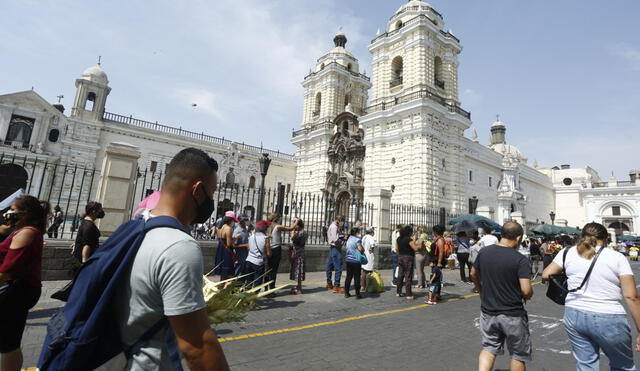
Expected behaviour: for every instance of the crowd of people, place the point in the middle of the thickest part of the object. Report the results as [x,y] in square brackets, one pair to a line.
[165,277]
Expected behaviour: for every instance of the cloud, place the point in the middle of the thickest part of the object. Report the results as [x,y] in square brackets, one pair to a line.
[630,53]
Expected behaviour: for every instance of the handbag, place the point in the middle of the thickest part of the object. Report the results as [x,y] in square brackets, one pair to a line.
[362,258]
[558,285]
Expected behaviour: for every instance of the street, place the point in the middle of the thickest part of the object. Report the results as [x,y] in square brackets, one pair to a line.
[323,330]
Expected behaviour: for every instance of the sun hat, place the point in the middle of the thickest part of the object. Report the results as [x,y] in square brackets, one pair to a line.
[232,215]
[263,224]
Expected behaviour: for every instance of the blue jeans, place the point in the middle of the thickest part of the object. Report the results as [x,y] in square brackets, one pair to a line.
[334,263]
[394,265]
[590,331]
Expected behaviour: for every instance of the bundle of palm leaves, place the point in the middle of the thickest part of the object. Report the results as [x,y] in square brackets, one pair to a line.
[230,300]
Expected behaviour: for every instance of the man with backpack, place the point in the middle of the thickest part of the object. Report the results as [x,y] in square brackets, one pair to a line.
[150,308]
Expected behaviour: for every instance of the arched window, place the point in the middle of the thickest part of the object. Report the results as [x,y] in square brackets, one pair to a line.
[396,72]
[90,102]
[399,25]
[230,179]
[318,104]
[437,72]
[13,178]
[347,100]
[321,66]
[252,181]
[349,67]
[20,129]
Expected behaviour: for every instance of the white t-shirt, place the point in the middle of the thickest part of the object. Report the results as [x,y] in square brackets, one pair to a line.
[165,280]
[257,244]
[488,240]
[602,292]
[368,243]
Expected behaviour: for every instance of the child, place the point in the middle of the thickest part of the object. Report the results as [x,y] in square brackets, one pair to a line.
[435,284]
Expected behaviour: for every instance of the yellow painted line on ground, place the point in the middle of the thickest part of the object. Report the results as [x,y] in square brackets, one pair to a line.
[343,320]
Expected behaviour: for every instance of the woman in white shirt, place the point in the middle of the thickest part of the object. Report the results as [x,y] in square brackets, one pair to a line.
[594,317]
[369,244]
[259,251]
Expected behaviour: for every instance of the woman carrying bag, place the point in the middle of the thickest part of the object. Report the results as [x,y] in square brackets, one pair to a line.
[595,318]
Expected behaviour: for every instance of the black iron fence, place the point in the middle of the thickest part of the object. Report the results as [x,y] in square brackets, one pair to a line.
[65,185]
[419,216]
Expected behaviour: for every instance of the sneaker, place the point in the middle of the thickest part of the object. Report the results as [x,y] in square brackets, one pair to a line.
[433,302]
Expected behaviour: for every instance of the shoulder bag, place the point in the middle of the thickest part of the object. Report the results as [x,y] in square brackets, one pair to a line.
[558,285]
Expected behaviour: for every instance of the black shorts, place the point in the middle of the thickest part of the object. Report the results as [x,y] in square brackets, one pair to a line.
[13,317]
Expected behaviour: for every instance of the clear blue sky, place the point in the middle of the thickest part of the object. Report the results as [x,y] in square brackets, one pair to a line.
[563,75]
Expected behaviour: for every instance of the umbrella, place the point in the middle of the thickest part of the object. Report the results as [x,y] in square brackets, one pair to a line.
[626,237]
[571,230]
[6,203]
[546,229]
[465,226]
[479,221]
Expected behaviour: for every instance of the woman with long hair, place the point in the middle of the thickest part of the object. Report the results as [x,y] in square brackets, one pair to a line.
[88,236]
[20,273]
[298,242]
[594,316]
[407,247]
[422,258]
[225,257]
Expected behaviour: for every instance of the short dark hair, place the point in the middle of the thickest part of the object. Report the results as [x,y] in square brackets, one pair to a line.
[438,229]
[354,231]
[487,230]
[512,230]
[340,218]
[406,231]
[92,206]
[188,165]
[398,226]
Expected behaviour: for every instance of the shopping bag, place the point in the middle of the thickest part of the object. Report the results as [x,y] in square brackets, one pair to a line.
[374,283]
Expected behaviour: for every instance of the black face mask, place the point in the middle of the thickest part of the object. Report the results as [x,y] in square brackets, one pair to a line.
[100,214]
[204,209]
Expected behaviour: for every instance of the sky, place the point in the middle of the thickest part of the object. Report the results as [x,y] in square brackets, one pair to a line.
[564,75]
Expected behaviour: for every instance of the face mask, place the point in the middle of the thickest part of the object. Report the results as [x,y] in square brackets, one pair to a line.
[11,217]
[100,214]
[204,209]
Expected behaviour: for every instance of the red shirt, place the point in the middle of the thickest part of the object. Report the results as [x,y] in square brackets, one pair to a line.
[25,262]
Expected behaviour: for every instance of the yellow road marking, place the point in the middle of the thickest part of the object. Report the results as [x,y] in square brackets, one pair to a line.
[343,320]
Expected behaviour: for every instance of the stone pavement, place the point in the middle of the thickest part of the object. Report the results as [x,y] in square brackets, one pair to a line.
[324,330]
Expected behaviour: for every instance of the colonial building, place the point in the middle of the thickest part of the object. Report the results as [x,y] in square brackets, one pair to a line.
[45,141]
[412,133]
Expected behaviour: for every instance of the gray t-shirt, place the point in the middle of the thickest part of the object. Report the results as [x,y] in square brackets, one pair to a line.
[165,280]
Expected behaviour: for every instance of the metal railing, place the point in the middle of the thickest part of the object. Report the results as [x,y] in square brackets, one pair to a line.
[401,214]
[424,93]
[416,7]
[336,64]
[619,183]
[324,125]
[130,120]
[415,19]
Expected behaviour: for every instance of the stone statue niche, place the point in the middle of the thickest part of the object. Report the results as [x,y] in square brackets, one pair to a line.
[345,180]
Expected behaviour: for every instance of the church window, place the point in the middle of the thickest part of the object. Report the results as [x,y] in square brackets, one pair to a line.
[322,66]
[230,179]
[252,181]
[154,166]
[444,191]
[347,100]
[470,176]
[615,210]
[399,25]
[318,104]
[396,72]
[349,66]
[393,160]
[444,163]
[288,187]
[513,208]
[393,188]
[54,134]
[437,68]
[20,129]
[490,182]
[90,102]
[567,181]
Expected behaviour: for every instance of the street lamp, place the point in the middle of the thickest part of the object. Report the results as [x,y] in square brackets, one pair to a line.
[552,216]
[473,204]
[265,161]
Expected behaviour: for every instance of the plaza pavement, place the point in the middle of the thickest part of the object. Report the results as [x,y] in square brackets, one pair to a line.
[321,330]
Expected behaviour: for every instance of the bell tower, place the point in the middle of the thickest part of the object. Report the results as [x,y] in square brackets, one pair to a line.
[92,89]
[414,126]
[335,86]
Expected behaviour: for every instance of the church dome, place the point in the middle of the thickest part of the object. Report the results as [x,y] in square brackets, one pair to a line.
[497,124]
[95,73]
[508,150]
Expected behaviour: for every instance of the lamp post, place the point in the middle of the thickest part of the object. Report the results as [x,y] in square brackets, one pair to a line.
[473,204]
[265,161]
[552,216]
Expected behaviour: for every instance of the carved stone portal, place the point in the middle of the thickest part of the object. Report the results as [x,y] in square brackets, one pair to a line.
[345,179]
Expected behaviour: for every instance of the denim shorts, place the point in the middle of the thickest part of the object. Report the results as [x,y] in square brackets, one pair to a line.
[514,330]
[434,287]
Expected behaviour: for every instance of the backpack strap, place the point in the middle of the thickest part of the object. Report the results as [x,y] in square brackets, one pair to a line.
[164,221]
[169,339]
[586,277]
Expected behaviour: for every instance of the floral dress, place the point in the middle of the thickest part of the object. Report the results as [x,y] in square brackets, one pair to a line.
[297,262]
